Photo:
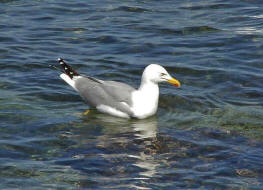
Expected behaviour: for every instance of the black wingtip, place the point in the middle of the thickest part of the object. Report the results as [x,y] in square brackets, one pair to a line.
[67,69]
[60,60]
[54,67]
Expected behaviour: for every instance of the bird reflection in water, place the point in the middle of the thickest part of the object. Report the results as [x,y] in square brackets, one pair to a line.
[133,142]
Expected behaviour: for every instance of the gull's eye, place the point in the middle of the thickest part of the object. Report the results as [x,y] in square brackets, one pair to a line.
[163,74]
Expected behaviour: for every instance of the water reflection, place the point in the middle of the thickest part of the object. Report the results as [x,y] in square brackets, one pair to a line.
[145,128]
[142,129]
[133,140]
[146,131]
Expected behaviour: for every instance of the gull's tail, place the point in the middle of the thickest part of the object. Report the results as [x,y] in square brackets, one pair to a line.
[67,69]
[68,73]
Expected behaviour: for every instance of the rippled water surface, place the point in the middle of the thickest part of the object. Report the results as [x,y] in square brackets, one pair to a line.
[206,135]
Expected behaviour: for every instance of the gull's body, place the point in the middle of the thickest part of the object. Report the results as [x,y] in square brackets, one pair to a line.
[119,99]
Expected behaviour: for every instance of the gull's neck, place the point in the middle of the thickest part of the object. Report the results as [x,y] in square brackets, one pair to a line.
[150,91]
[149,86]
[145,99]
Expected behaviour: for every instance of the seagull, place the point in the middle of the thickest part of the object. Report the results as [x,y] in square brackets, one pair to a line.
[117,98]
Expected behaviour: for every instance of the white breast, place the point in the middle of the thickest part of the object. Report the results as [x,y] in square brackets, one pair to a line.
[145,102]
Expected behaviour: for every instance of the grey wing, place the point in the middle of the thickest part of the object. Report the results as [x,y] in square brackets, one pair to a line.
[110,93]
[90,90]
[121,92]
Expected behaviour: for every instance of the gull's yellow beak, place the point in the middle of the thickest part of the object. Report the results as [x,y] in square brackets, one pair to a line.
[174,82]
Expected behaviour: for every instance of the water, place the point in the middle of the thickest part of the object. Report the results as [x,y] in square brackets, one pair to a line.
[206,135]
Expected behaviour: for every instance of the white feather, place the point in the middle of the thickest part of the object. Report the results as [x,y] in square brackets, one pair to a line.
[145,100]
[68,80]
[112,111]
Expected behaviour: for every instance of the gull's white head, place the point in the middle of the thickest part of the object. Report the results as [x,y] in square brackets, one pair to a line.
[156,73]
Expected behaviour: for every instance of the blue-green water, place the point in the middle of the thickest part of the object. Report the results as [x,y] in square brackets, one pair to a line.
[206,135]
